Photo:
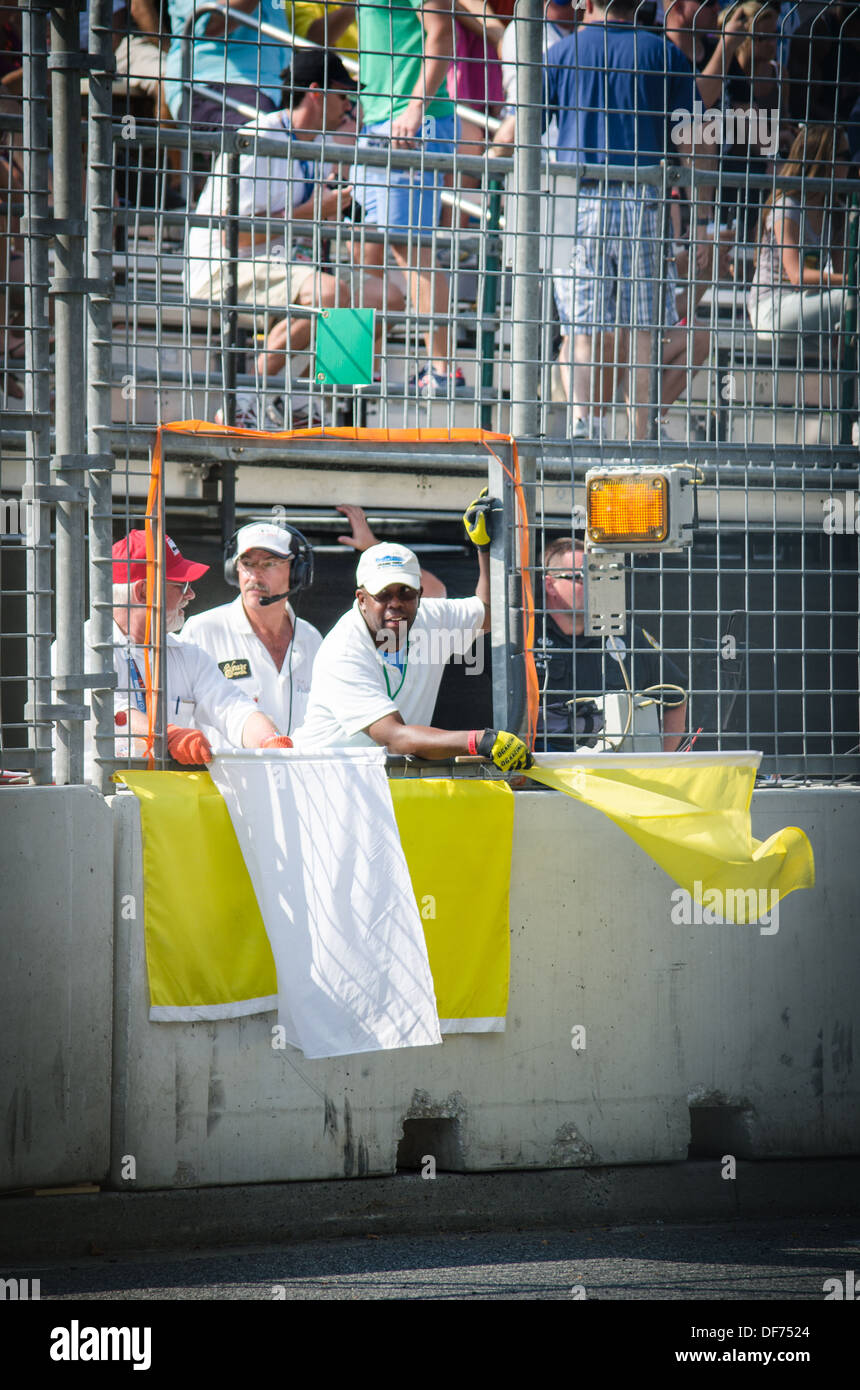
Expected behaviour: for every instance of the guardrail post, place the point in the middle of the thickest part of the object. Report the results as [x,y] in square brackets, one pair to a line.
[38,386]
[68,288]
[99,362]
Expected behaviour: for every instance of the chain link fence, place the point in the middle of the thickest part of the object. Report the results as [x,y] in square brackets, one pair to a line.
[622,236]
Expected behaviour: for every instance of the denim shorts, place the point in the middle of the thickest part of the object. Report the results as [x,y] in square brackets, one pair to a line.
[408,198]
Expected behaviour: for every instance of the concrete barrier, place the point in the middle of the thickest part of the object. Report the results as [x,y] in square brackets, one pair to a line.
[749,1034]
[56,973]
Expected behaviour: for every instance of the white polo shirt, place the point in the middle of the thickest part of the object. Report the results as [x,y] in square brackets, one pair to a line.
[353,686]
[197,696]
[226,634]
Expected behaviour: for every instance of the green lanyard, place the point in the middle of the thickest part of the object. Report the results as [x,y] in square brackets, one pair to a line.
[393,694]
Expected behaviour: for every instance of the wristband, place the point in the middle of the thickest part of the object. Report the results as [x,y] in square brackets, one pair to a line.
[473,742]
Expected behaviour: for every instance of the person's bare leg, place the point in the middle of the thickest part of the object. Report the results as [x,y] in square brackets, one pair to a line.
[677,342]
[325,292]
[428,290]
[592,373]
[638,388]
[472,142]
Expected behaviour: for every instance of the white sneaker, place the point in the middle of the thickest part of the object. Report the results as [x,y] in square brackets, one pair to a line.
[592,432]
[246,412]
[305,412]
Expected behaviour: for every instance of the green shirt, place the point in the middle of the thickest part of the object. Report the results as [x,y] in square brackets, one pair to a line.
[386,28]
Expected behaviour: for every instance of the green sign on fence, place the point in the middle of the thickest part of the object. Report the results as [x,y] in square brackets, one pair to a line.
[344,354]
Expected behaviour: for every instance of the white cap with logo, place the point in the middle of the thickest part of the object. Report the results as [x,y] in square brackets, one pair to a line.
[262,535]
[386,564]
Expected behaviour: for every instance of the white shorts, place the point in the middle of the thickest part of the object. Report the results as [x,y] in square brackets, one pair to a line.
[265,284]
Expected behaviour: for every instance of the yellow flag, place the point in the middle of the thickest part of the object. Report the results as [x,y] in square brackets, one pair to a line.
[457,837]
[207,952]
[692,816]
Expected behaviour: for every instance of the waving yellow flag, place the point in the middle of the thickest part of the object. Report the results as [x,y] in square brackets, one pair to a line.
[691,815]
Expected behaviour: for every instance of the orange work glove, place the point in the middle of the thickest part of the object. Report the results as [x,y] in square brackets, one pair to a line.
[277,741]
[188,746]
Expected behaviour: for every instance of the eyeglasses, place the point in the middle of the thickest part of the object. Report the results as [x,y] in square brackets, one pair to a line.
[261,566]
[565,574]
[186,587]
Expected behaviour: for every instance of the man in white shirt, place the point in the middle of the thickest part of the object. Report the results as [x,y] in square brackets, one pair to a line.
[196,694]
[378,671]
[257,640]
[265,652]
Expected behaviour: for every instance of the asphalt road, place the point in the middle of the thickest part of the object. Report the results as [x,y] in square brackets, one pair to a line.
[776,1260]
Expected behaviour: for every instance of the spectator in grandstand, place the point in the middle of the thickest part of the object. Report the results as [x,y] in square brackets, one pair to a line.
[576,672]
[137,49]
[820,61]
[257,640]
[692,26]
[239,68]
[619,93]
[474,80]
[378,671]
[274,270]
[559,21]
[194,691]
[799,290]
[406,50]
[330,26]
[751,129]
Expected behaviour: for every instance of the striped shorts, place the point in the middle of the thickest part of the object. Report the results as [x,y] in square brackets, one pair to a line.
[616,263]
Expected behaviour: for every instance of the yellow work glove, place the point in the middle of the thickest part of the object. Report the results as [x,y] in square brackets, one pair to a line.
[477,519]
[508,752]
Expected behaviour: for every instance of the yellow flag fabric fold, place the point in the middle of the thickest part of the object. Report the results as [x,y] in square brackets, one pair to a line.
[692,817]
[457,836]
[208,954]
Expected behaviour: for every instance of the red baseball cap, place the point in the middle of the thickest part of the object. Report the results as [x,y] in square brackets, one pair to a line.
[129,556]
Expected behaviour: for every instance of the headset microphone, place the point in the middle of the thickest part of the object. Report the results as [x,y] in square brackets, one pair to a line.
[274,598]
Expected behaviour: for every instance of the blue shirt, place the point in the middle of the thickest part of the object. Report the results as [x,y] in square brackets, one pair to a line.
[613,88]
[246,58]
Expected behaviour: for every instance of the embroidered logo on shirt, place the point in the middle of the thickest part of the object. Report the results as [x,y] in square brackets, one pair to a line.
[236,669]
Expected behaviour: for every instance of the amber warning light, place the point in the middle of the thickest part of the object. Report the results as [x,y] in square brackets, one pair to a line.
[642,508]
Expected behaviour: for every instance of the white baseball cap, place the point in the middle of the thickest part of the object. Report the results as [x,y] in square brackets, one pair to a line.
[265,536]
[386,564]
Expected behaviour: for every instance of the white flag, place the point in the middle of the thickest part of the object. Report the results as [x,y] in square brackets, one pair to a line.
[323,852]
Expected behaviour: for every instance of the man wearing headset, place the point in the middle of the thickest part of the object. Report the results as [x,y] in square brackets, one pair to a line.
[257,640]
[262,648]
[569,664]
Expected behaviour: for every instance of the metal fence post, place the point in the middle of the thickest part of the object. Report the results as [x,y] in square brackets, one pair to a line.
[229,335]
[99,362]
[38,386]
[68,288]
[527,326]
[509,704]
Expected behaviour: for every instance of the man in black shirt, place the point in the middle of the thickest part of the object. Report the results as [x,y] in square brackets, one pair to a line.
[576,671]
